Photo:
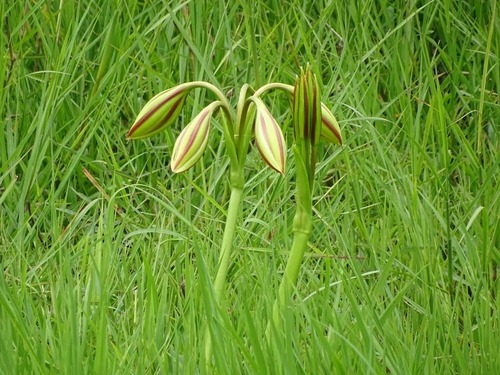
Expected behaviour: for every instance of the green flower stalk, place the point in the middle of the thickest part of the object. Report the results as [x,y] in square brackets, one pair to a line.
[312,121]
[163,110]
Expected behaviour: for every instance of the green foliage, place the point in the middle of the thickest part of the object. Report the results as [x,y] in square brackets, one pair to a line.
[107,256]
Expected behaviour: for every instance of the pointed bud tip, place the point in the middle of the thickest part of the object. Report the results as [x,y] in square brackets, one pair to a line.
[330,129]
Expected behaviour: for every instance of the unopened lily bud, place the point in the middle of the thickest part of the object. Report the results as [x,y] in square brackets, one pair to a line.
[192,141]
[159,113]
[330,129]
[306,109]
[269,138]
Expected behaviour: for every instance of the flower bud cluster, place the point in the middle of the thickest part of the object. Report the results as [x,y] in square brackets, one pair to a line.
[163,110]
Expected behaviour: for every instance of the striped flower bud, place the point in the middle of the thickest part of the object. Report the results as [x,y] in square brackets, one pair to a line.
[269,138]
[330,129]
[192,141]
[159,113]
[306,109]
[307,120]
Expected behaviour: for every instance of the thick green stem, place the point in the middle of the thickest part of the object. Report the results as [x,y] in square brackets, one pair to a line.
[302,226]
[289,278]
[224,260]
[227,240]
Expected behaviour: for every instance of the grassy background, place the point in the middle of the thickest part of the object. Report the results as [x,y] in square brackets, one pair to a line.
[107,256]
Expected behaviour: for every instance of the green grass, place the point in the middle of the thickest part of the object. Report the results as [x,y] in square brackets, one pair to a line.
[107,257]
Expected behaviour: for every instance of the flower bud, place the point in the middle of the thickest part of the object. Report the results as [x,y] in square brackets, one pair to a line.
[330,129]
[269,138]
[159,113]
[306,110]
[192,141]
